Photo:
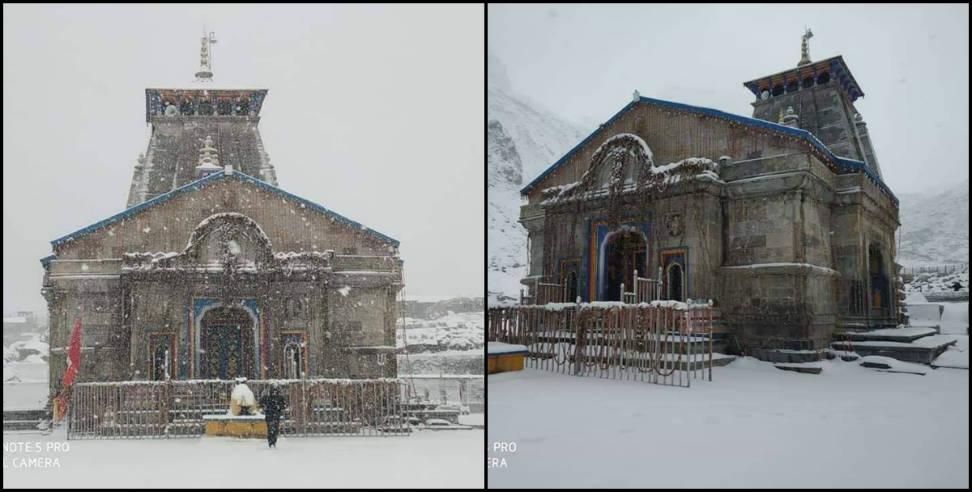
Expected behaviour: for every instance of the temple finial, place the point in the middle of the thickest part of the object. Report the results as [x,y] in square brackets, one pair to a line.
[205,72]
[805,49]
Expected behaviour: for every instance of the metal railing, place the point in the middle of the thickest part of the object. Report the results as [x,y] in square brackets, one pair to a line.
[174,409]
[944,269]
[547,293]
[644,289]
[665,342]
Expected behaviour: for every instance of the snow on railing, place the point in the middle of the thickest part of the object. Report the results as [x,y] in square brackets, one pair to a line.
[173,409]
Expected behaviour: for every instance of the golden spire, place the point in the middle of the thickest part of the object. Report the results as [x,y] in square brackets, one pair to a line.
[805,49]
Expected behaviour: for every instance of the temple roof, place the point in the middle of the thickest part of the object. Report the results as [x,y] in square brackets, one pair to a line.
[202,182]
[835,66]
[155,99]
[840,163]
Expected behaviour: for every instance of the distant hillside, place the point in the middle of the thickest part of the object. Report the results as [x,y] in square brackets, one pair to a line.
[522,141]
[934,227]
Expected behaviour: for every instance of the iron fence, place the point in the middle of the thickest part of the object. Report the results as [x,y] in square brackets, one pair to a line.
[944,269]
[174,409]
[664,342]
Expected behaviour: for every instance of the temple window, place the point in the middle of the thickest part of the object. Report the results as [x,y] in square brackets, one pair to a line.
[674,281]
[205,108]
[571,287]
[224,107]
[293,361]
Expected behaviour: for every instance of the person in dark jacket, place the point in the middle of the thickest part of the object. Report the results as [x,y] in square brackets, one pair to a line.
[273,404]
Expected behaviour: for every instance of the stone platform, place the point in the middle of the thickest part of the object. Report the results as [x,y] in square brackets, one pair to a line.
[235,425]
[504,357]
[917,344]
[24,419]
[904,335]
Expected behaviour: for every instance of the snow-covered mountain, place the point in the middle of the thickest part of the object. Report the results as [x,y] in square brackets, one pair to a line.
[522,141]
[934,227]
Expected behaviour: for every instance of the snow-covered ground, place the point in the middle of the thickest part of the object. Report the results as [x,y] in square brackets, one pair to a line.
[454,331]
[752,426]
[25,385]
[449,344]
[424,459]
[955,321]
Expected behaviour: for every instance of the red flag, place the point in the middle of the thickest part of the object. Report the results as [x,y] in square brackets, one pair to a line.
[73,355]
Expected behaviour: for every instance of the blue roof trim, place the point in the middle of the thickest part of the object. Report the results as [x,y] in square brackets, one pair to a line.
[204,181]
[571,151]
[796,132]
[47,259]
[319,208]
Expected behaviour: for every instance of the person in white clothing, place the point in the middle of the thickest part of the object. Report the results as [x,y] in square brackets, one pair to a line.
[242,401]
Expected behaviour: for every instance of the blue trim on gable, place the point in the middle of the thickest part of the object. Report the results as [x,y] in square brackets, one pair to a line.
[204,181]
[796,132]
[319,208]
[576,147]
[137,208]
[46,260]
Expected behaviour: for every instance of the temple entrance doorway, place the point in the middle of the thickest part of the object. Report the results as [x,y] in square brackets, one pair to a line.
[624,252]
[228,347]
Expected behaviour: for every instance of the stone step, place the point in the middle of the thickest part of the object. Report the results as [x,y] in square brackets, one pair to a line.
[788,356]
[904,335]
[14,425]
[803,368]
[923,350]
[25,414]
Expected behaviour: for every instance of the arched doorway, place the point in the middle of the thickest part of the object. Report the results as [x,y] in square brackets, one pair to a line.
[227,344]
[674,282]
[624,252]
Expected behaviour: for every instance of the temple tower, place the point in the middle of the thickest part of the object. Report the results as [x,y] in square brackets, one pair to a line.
[196,116]
[822,96]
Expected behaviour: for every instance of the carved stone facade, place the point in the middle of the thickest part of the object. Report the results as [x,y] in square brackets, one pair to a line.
[220,273]
[791,241]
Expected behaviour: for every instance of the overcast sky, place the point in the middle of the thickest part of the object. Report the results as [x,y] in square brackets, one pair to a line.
[912,62]
[374,112]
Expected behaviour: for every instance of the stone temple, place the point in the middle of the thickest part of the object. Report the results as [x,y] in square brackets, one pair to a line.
[213,271]
[781,219]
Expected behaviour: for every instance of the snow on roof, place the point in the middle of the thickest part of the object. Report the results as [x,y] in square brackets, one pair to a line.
[841,162]
[641,142]
[205,181]
[14,319]
[195,236]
